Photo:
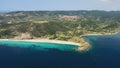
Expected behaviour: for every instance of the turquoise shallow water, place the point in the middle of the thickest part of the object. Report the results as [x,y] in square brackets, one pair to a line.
[39,45]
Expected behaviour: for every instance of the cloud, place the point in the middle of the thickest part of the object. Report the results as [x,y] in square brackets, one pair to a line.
[105,0]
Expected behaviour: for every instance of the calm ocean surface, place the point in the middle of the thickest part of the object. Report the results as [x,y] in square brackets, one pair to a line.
[105,53]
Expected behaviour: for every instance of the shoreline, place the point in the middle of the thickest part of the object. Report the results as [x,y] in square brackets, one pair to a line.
[44,40]
[85,45]
[99,34]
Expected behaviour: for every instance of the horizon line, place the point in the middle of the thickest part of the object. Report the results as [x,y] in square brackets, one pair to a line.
[55,10]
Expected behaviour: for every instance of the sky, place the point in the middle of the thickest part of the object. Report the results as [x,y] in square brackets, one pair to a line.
[32,5]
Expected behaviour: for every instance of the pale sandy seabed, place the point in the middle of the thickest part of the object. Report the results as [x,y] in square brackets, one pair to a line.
[81,47]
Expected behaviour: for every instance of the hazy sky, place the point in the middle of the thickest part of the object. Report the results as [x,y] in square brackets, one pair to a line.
[59,4]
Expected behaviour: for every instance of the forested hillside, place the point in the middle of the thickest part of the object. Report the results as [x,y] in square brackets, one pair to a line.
[62,25]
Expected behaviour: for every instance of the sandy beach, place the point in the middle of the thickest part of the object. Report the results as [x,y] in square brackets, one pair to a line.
[44,40]
[100,34]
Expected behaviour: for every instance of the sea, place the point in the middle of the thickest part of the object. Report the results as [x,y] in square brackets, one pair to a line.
[104,53]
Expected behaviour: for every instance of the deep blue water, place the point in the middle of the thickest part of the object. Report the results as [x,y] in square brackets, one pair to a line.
[105,53]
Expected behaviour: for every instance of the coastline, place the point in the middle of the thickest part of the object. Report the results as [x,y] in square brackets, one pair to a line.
[99,34]
[85,45]
[44,40]
[87,40]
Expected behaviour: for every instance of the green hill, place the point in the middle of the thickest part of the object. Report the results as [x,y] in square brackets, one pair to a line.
[62,25]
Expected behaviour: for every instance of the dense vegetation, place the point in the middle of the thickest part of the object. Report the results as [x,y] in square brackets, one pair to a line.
[62,25]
